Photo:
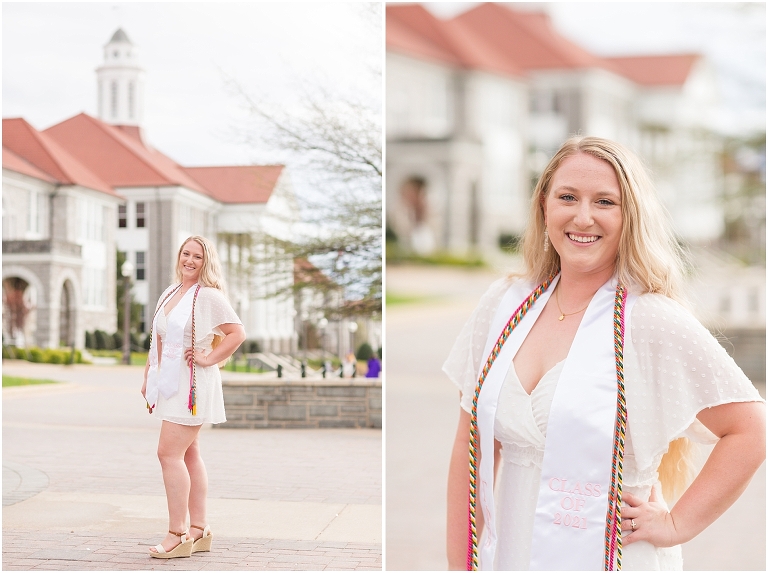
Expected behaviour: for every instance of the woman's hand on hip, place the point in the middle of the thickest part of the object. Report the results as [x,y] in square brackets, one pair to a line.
[200,359]
[651,519]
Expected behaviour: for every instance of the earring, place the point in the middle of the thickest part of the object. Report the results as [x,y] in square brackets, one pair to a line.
[546,241]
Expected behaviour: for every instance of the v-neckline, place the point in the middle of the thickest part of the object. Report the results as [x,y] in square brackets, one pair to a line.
[538,383]
[167,314]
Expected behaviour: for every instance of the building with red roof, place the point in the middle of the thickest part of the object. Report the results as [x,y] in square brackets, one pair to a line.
[79,191]
[476,105]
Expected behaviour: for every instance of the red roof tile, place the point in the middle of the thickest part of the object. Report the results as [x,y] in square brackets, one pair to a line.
[305,272]
[660,70]
[117,156]
[527,38]
[238,184]
[45,153]
[20,165]
[414,30]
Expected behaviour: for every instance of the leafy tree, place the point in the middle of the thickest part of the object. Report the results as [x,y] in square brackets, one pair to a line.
[120,292]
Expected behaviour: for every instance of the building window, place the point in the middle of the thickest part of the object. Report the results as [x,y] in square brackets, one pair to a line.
[140,267]
[140,215]
[122,216]
[114,99]
[130,99]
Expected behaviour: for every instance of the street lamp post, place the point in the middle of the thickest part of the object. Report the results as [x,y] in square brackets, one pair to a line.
[352,329]
[127,270]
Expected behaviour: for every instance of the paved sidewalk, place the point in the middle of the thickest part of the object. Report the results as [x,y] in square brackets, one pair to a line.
[422,411]
[82,487]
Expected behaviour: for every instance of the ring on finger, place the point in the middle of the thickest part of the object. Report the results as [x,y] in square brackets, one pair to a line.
[633,524]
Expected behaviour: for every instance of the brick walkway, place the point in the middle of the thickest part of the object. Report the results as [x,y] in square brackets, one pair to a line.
[94,551]
[82,487]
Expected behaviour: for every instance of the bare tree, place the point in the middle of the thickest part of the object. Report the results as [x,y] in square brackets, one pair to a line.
[335,141]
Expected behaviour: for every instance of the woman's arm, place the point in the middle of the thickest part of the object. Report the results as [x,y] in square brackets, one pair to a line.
[234,335]
[458,488]
[727,472]
[458,496]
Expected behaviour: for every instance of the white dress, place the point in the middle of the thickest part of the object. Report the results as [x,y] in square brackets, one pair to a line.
[211,311]
[674,368]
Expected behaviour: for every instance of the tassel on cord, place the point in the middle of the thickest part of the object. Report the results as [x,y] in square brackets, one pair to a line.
[192,404]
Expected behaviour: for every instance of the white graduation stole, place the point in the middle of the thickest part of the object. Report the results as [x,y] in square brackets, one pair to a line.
[164,377]
[570,520]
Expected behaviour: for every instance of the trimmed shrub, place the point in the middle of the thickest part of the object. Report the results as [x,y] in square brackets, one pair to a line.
[379,353]
[364,352]
[253,346]
[52,356]
[147,342]
[7,352]
[100,340]
[35,355]
[20,353]
[117,340]
[135,341]
[88,339]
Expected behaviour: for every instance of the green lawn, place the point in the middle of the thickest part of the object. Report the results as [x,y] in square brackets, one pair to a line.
[393,298]
[15,381]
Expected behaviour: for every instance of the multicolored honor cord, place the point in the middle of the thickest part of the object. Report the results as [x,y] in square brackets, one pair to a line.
[613,516]
[192,402]
[472,558]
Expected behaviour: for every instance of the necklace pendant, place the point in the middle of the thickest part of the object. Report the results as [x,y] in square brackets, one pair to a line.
[562,316]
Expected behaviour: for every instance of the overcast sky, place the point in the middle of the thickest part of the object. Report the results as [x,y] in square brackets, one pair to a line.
[273,50]
[730,34]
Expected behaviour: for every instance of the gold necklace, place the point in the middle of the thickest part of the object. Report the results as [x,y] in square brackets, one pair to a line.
[562,314]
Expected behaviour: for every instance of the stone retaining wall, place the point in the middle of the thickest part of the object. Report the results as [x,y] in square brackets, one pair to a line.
[301,403]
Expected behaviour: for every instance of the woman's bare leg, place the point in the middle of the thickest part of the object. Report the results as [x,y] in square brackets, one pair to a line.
[198,491]
[175,440]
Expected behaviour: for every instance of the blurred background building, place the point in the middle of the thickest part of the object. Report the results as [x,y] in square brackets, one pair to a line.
[477,104]
[80,194]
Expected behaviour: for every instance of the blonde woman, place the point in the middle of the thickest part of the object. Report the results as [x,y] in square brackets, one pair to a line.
[193,329]
[582,383]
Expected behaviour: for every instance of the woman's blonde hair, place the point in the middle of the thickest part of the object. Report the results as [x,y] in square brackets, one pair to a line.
[649,260]
[210,272]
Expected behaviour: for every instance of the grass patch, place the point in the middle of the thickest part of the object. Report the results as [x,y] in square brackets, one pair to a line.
[16,381]
[397,298]
[397,255]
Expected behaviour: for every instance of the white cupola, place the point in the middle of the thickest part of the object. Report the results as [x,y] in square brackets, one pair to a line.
[120,83]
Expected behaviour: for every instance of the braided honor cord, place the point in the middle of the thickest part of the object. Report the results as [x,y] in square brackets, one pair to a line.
[159,306]
[472,559]
[192,404]
[613,517]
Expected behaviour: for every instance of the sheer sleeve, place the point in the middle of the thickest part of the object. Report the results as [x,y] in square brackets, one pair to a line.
[465,359]
[675,368]
[212,310]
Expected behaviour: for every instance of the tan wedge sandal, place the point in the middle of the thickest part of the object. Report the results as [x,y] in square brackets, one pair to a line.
[204,543]
[183,549]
